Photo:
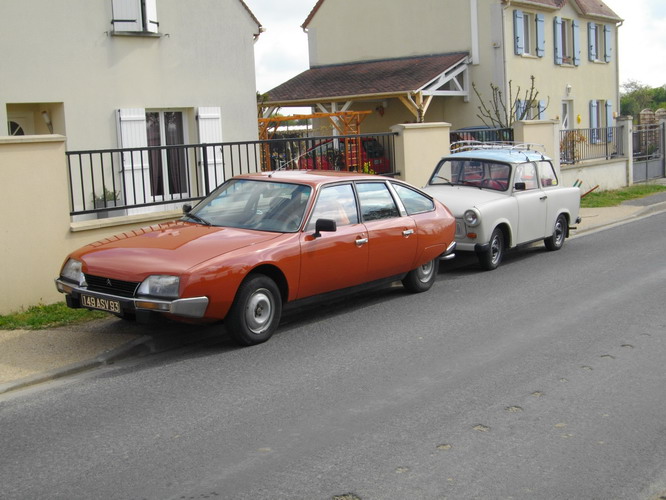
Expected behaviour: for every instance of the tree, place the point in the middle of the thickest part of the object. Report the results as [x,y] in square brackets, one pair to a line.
[636,96]
[500,112]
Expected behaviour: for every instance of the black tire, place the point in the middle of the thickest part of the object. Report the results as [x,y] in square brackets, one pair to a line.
[490,259]
[560,231]
[255,313]
[422,278]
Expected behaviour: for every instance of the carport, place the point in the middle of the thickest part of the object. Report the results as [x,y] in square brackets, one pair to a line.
[414,81]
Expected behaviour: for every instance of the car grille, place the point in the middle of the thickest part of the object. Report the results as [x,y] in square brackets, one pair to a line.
[111,286]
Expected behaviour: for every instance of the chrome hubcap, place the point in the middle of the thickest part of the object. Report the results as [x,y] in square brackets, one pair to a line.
[425,271]
[259,311]
[496,249]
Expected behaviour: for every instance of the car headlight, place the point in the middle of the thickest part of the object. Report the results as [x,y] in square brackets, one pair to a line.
[472,217]
[162,286]
[73,271]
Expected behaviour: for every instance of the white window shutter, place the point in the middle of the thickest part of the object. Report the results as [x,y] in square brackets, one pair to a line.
[592,41]
[210,132]
[540,35]
[518,32]
[575,28]
[608,43]
[132,134]
[557,27]
[151,16]
[127,15]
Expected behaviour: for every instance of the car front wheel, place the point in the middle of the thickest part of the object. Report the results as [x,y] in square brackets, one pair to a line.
[556,241]
[422,278]
[492,257]
[255,313]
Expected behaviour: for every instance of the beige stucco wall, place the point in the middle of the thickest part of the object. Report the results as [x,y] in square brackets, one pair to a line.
[581,84]
[349,31]
[36,233]
[418,148]
[64,56]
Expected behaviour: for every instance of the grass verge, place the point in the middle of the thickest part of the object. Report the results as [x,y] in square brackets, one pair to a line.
[47,316]
[617,196]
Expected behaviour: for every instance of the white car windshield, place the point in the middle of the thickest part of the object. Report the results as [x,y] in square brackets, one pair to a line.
[251,204]
[471,172]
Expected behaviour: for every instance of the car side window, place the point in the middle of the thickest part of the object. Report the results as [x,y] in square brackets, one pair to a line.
[547,174]
[526,172]
[376,201]
[337,203]
[415,203]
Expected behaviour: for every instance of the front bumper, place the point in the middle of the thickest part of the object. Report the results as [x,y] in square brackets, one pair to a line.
[194,307]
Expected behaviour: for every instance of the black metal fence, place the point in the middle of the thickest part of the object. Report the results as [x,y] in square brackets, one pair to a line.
[482,134]
[116,182]
[591,143]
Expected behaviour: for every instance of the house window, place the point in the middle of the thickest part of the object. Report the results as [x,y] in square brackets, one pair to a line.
[168,167]
[567,114]
[528,32]
[601,119]
[599,42]
[534,110]
[135,16]
[567,41]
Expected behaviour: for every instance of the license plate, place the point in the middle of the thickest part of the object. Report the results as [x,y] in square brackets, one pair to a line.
[108,305]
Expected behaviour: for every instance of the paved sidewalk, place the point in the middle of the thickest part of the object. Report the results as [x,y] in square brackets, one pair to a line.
[31,357]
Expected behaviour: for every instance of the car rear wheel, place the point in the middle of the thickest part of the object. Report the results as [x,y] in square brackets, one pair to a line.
[492,257]
[255,313]
[556,241]
[422,278]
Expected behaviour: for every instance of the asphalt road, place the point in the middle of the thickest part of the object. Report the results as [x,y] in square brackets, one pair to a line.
[542,379]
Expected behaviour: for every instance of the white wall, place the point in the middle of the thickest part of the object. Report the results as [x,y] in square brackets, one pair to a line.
[65,53]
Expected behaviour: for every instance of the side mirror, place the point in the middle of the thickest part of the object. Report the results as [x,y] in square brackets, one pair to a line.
[519,186]
[325,225]
[187,208]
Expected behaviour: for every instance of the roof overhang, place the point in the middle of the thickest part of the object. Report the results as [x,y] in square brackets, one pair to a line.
[413,80]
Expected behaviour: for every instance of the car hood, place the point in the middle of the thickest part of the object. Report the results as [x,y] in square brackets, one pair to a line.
[170,248]
[460,198]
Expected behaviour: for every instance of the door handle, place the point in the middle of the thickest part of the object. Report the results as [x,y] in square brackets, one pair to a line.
[408,232]
[361,241]
[543,197]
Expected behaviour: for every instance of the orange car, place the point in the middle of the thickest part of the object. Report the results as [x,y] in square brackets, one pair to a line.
[260,241]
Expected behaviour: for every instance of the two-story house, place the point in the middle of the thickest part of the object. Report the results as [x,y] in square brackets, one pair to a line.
[417,61]
[129,73]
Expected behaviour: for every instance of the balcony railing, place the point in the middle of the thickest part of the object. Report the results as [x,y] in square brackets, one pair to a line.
[138,180]
[590,143]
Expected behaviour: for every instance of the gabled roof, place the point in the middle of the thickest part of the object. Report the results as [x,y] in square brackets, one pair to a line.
[261,28]
[382,78]
[587,8]
[591,8]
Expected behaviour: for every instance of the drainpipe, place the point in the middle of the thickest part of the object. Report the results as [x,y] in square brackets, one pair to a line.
[474,18]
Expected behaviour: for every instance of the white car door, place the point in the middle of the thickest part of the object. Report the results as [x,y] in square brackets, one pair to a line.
[532,204]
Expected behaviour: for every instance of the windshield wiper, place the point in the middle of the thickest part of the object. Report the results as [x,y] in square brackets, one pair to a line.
[444,179]
[197,218]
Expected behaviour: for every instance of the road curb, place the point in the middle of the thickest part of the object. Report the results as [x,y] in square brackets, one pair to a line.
[136,347]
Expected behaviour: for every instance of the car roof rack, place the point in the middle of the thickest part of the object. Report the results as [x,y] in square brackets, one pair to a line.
[508,145]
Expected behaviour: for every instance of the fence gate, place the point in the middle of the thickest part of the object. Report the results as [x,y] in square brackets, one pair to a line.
[649,158]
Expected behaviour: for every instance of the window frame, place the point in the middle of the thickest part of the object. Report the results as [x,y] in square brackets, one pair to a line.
[134,17]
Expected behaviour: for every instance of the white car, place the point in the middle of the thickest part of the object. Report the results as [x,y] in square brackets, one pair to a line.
[503,195]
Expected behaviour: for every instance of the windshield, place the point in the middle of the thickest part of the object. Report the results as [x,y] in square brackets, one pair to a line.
[470,172]
[251,204]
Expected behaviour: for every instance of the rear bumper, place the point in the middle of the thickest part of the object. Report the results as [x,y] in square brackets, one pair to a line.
[450,252]
[194,307]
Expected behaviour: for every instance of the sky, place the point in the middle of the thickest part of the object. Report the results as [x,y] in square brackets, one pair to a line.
[282,50]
